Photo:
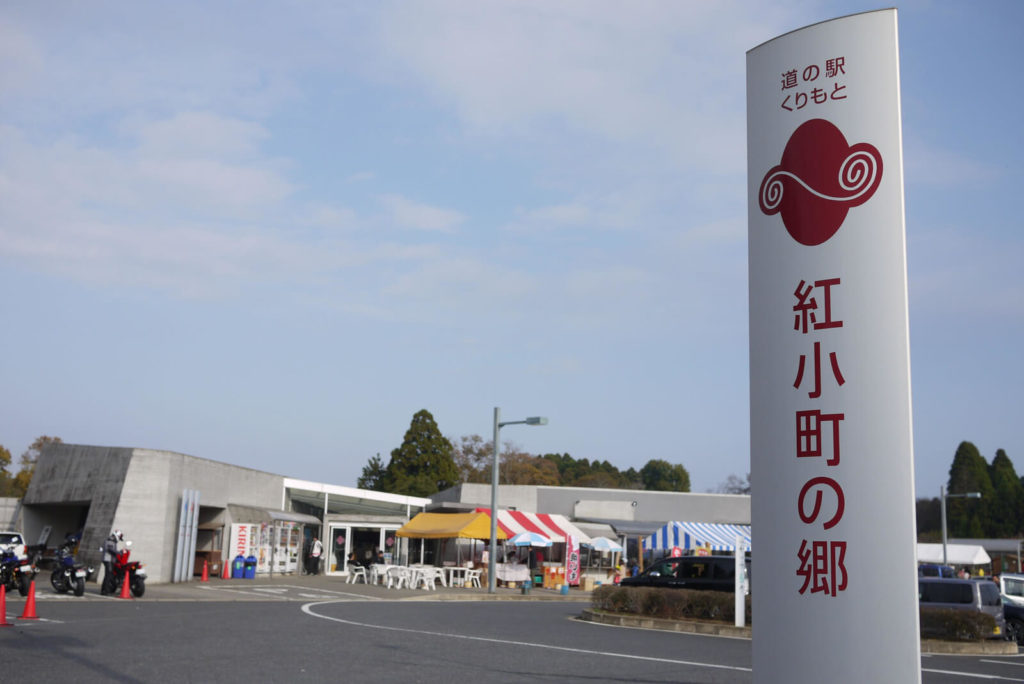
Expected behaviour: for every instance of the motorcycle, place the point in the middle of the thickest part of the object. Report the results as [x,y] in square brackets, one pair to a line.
[68,575]
[16,573]
[121,565]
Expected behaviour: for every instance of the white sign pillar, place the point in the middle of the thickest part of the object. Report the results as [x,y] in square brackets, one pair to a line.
[740,589]
[835,585]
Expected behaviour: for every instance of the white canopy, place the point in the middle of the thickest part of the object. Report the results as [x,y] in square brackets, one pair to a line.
[956,554]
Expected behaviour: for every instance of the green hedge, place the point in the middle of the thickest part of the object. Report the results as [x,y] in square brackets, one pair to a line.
[668,604]
[949,624]
[686,604]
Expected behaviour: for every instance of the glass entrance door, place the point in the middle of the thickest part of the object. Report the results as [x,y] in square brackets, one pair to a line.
[337,550]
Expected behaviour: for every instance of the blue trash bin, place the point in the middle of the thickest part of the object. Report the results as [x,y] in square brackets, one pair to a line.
[250,567]
[238,567]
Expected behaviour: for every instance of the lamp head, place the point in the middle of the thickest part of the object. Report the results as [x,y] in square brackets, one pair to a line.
[539,420]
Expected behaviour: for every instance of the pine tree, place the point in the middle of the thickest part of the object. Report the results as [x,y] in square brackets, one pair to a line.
[423,465]
[1008,497]
[969,473]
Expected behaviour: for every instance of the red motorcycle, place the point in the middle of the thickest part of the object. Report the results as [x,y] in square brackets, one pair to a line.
[135,570]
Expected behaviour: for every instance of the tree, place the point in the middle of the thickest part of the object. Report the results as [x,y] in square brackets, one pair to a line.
[523,469]
[662,476]
[6,481]
[373,474]
[969,473]
[734,484]
[1007,497]
[28,463]
[929,520]
[472,456]
[423,465]
[583,473]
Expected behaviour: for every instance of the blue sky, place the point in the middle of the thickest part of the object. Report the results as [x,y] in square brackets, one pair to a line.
[268,233]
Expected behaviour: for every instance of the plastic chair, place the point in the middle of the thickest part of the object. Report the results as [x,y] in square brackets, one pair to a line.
[425,576]
[356,573]
[473,578]
[439,575]
[398,576]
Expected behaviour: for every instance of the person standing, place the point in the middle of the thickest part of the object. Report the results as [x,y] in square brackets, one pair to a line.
[315,550]
[109,552]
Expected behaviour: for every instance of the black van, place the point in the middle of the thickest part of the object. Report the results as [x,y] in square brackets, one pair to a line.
[717,573]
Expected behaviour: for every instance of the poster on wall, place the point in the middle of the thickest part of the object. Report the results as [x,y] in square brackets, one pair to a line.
[263,549]
[830,420]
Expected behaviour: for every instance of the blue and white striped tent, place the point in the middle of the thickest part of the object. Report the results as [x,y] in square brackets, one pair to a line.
[690,535]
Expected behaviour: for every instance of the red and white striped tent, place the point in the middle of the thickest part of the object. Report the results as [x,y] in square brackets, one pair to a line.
[551,525]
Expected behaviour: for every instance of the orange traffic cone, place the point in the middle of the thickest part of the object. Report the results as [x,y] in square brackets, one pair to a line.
[30,604]
[206,573]
[3,607]
[227,571]
[125,589]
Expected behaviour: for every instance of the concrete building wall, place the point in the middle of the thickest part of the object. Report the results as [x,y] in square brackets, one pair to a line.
[10,514]
[578,502]
[150,503]
[613,504]
[69,475]
[137,491]
[519,497]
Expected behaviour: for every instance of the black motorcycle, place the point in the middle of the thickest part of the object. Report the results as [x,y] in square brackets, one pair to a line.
[68,575]
[16,573]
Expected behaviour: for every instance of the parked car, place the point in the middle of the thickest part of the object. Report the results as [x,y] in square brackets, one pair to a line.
[1011,588]
[935,570]
[979,595]
[13,541]
[717,573]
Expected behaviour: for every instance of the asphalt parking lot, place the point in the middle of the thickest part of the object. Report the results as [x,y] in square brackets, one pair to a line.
[302,588]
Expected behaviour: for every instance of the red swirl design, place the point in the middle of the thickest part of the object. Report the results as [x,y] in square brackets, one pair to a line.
[819,179]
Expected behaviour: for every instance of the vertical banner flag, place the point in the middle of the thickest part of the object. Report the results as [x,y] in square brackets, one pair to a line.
[572,561]
[835,585]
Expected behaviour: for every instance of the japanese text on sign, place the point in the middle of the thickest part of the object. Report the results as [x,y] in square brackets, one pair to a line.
[821,562]
[801,87]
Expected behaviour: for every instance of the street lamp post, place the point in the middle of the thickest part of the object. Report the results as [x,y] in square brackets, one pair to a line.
[492,554]
[942,505]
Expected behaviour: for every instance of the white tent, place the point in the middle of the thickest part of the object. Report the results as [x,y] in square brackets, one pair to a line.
[956,554]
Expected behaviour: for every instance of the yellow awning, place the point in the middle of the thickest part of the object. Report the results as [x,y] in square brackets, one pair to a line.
[445,525]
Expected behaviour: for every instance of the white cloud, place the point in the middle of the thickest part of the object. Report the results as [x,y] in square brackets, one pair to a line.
[934,165]
[605,285]
[408,214]
[667,77]
[197,133]
[327,216]
[462,283]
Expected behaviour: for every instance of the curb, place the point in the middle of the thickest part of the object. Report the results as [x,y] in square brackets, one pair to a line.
[931,646]
[449,596]
[685,626]
[988,647]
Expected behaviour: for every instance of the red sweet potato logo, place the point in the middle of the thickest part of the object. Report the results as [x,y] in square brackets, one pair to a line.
[820,178]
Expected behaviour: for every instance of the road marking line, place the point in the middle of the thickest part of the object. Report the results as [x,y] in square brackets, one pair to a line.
[1003,662]
[308,609]
[263,592]
[973,675]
